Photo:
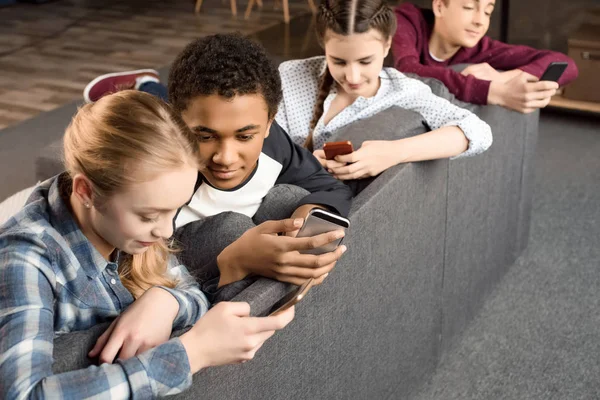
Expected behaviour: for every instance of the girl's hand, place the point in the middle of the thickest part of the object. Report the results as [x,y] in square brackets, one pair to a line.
[371,159]
[329,165]
[145,324]
[320,156]
[227,335]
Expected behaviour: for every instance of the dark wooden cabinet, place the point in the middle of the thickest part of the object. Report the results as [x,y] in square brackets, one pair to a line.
[584,48]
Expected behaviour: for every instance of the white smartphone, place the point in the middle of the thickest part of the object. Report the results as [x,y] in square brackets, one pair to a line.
[322,221]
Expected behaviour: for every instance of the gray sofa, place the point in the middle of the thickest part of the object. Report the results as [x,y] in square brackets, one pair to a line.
[427,244]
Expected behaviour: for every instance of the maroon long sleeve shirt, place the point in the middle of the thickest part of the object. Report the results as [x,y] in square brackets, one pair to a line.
[410,48]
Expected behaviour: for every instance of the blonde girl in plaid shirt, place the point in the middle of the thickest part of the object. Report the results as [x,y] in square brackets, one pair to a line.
[89,246]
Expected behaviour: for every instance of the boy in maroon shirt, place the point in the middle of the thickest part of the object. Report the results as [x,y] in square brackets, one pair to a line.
[453,32]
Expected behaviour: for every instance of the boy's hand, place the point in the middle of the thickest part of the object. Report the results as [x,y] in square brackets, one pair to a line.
[507,75]
[523,93]
[262,251]
[138,328]
[482,71]
[301,212]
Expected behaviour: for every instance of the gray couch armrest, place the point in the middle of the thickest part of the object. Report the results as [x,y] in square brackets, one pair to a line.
[49,162]
[263,294]
[70,349]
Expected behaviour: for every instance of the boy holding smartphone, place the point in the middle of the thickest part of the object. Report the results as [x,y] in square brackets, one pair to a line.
[427,42]
[227,91]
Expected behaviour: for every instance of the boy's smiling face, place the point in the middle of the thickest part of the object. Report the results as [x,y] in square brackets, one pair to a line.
[231,132]
[463,22]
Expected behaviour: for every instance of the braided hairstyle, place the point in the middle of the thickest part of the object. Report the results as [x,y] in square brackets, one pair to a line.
[346,17]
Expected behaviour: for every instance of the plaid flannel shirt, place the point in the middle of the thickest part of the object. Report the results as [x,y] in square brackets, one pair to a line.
[52,281]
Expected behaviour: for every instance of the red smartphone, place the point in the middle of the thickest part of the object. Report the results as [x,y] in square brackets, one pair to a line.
[292,298]
[333,149]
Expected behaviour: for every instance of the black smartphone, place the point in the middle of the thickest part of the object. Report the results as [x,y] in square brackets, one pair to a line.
[554,71]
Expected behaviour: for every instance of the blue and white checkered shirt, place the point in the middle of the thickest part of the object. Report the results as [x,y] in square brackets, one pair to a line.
[52,280]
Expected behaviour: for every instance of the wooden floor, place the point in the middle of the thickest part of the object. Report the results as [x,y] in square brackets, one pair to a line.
[49,52]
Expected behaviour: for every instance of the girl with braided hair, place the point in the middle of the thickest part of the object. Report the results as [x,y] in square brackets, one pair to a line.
[323,94]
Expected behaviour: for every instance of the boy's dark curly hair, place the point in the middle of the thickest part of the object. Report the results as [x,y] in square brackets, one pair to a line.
[227,65]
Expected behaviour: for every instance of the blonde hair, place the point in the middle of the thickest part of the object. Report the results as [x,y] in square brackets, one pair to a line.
[111,142]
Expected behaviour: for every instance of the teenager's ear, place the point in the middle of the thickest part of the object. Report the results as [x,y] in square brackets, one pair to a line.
[436,6]
[269,124]
[386,47]
[82,188]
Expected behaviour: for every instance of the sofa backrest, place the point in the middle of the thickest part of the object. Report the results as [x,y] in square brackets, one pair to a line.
[428,241]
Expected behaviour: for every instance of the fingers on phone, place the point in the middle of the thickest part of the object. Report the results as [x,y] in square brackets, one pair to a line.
[537,96]
[328,259]
[237,308]
[322,263]
[281,226]
[268,325]
[543,86]
[314,242]
[299,275]
[285,316]
[549,85]
[262,328]
[320,279]
[334,164]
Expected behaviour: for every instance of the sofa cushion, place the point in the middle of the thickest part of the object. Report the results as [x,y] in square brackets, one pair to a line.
[390,124]
[14,203]
[50,161]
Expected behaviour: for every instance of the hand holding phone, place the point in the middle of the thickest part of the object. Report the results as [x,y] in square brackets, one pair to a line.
[317,222]
[334,149]
[263,251]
